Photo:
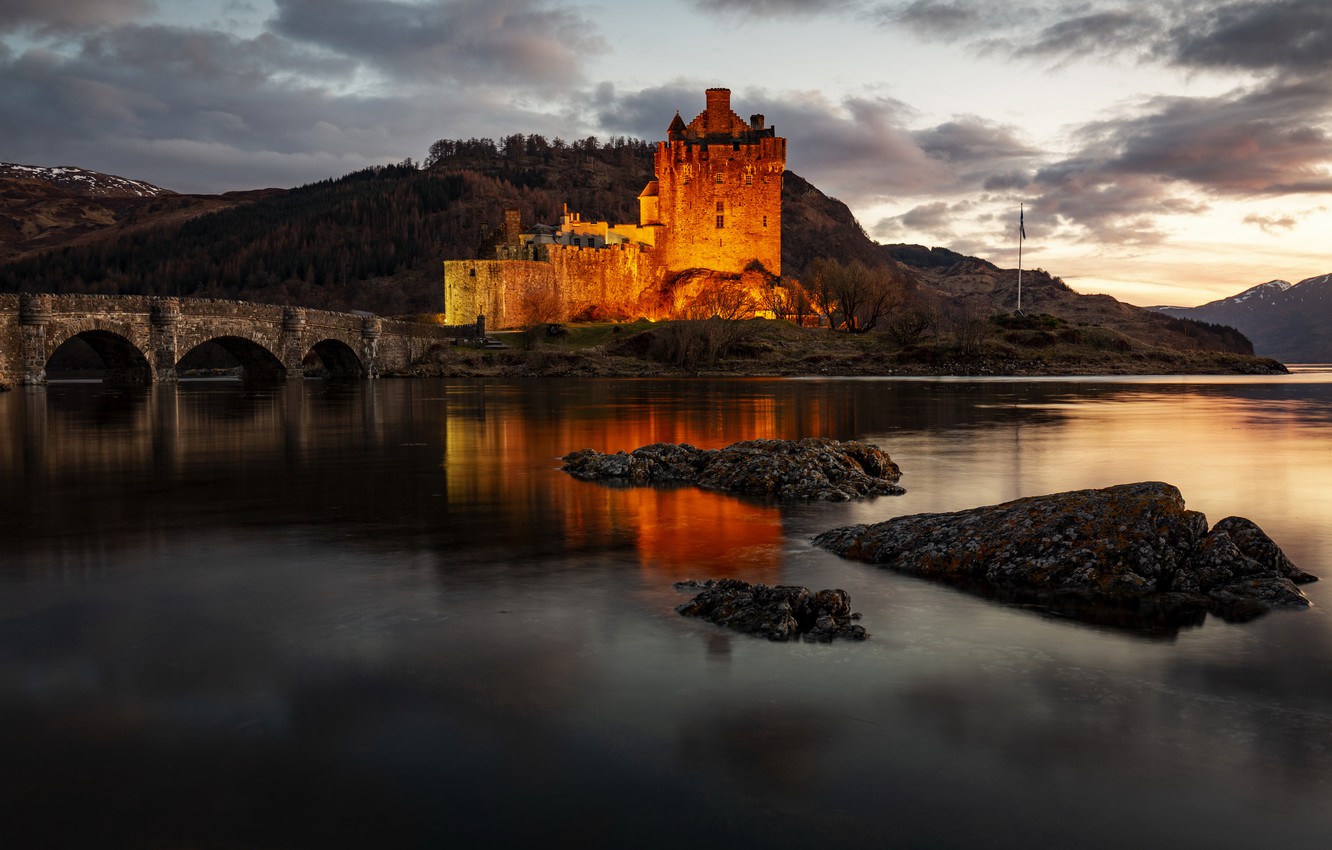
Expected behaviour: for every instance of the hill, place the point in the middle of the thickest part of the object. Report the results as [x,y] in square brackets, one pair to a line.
[982,287]
[373,240]
[44,208]
[1290,323]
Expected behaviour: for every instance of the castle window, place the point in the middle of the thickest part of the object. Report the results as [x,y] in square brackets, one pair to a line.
[749,179]
[735,146]
[719,178]
[765,221]
[721,206]
[721,221]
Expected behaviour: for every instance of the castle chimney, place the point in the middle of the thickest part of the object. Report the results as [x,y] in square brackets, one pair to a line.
[719,100]
[512,226]
[756,121]
[719,110]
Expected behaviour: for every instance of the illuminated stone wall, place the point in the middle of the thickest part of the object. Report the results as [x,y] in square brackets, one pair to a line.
[509,293]
[719,190]
[716,204]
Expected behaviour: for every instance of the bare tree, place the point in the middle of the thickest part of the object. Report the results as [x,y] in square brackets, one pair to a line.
[854,297]
[969,325]
[909,326]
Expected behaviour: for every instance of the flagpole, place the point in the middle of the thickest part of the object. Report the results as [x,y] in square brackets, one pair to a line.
[1022,232]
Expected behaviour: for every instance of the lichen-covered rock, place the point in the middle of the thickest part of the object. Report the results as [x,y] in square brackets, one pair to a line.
[780,612]
[1117,544]
[820,469]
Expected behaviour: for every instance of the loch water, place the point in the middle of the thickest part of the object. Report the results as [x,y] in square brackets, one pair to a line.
[378,615]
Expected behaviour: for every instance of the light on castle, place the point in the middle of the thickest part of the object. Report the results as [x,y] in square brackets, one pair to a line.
[713,212]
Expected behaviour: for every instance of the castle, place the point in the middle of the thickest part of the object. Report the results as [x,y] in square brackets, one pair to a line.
[715,206]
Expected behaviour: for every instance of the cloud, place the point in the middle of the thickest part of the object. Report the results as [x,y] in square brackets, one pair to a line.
[1291,35]
[935,19]
[1271,224]
[140,101]
[63,16]
[1098,32]
[773,8]
[1177,153]
[859,148]
[1276,36]
[483,42]
[1272,139]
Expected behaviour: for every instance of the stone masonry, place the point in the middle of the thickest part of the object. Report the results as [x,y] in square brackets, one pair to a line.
[142,338]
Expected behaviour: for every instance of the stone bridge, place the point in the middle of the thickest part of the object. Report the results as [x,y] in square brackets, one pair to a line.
[141,338]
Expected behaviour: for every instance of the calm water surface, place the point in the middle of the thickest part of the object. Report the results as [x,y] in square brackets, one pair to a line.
[379,615]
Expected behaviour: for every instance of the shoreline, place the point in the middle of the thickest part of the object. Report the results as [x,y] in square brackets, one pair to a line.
[546,364]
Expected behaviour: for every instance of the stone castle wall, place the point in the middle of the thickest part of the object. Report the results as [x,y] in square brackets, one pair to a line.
[721,204]
[624,280]
[507,292]
[621,280]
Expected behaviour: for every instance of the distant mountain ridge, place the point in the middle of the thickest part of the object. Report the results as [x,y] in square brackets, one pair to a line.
[81,181]
[1290,322]
[44,208]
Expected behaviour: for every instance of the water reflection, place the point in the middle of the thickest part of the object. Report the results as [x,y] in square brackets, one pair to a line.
[379,614]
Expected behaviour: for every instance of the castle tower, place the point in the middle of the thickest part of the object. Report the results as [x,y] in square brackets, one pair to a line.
[718,192]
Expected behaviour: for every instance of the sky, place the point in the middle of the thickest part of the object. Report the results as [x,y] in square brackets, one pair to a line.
[1165,152]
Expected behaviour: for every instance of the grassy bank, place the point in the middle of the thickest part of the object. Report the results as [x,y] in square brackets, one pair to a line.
[759,347]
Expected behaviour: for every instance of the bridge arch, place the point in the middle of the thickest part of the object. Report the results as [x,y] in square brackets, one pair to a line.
[257,362]
[339,360]
[123,361]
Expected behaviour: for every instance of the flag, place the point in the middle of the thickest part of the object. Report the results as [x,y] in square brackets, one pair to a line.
[1022,227]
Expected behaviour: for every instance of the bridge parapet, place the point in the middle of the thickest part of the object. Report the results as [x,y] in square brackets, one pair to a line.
[147,335]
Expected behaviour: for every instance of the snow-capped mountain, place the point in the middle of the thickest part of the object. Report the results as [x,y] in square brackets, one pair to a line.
[1292,323]
[81,181]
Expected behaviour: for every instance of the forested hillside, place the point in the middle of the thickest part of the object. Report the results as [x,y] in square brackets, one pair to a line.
[372,240]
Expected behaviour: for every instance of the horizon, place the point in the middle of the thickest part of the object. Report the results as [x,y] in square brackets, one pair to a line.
[1166,153]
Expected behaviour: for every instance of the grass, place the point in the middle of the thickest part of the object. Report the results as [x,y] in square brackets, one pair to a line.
[762,347]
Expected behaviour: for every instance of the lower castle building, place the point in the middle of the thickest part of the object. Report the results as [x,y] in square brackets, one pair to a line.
[715,206]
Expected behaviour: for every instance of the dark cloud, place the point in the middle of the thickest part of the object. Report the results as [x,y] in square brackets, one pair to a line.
[1259,35]
[196,110]
[1292,35]
[1099,32]
[1268,140]
[971,139]
[772,8]
[526,42]
[935,19]
[59,16]
[1007,180]
[646,114]
[1178,153]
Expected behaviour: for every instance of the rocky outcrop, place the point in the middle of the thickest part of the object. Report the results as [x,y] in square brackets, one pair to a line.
[781,612]
[828,470]
[1134,544]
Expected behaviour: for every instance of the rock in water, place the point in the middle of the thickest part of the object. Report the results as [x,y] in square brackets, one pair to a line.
[1129,543]
[829,470]
[781,612]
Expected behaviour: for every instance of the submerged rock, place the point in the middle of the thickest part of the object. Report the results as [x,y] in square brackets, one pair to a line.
[780,612]
[1130,544]
[821,469]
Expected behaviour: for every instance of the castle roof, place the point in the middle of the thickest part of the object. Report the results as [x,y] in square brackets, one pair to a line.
[676,131]
[718,123]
